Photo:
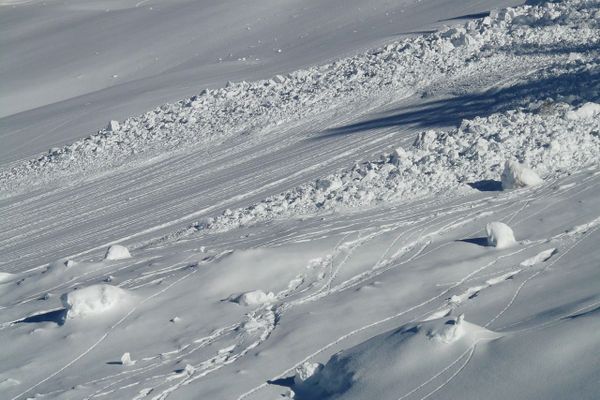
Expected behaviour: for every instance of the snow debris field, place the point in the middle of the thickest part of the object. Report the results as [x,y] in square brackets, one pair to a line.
[393,201]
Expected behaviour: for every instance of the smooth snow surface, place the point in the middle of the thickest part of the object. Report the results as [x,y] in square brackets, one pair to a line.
[311,199]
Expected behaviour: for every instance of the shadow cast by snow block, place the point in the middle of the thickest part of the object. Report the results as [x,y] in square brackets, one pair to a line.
[488,185]
[56,316]
[479,241]
[285,382]
[584,83]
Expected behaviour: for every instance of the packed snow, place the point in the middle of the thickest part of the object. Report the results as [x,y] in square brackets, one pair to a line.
[399,211]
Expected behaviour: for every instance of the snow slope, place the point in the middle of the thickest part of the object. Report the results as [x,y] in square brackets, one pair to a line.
[322,234]
[68,67]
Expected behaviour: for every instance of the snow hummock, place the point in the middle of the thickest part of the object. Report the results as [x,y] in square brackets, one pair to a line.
[92,300]
[516,175]
[253,298]
[499,235]
[117,252]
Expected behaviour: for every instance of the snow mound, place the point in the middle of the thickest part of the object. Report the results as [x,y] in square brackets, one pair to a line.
[117,252]
[516,175]
[92,300]
[253,298]
[500,235]
[395,360]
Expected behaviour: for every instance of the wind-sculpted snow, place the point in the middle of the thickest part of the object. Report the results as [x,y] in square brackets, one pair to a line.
[442,162]
[400,68]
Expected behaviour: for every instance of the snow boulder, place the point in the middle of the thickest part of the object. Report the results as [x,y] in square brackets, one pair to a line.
[253,298]
[516,175]
[113,126]
[117,252]
[306,371]
[500,235]
[93,300]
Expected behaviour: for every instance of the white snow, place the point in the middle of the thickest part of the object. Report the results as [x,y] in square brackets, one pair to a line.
[335,188]
[516,175]
[117,252]
[499,235]
[92,300]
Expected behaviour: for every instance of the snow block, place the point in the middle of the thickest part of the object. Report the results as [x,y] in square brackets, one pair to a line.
[516,175]
[253,298]
[305,371]
[500,235]
[117,252]
[92,300]
[113,126]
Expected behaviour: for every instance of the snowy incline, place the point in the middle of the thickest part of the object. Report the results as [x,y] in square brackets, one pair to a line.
[416,221]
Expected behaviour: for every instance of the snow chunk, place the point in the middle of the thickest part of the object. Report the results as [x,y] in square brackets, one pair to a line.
[499,235]
[117,252]
[113,126]
[305,371]
[516,175]
[253,298]
[126,360]
[92,300]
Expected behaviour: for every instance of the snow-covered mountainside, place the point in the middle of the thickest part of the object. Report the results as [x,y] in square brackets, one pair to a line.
[355,216]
